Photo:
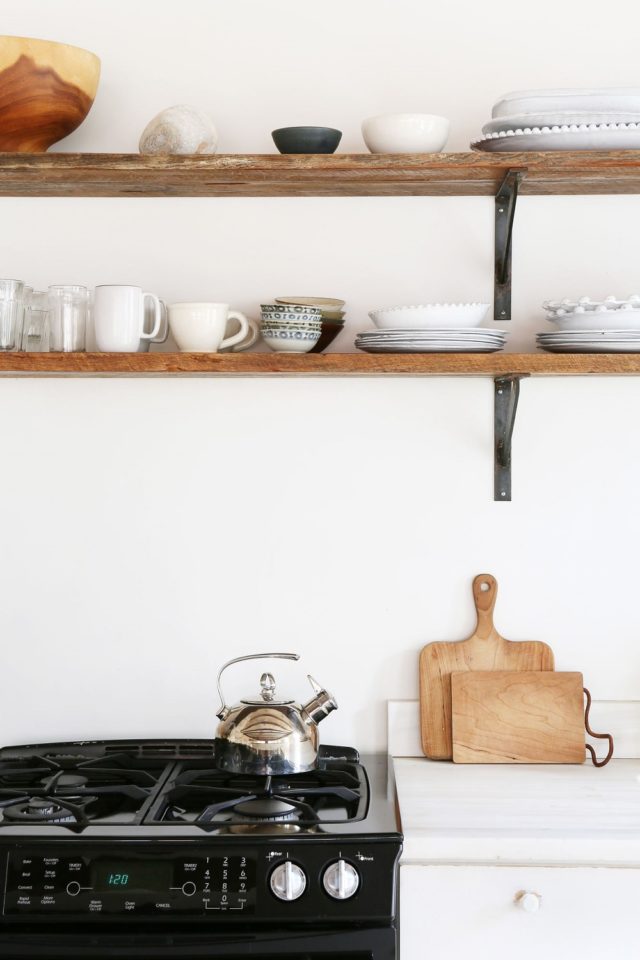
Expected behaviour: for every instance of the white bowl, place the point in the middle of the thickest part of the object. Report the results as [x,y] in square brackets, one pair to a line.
[405,133]
[451,316]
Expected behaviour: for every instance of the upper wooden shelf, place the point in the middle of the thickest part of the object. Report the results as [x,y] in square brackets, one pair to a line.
[275,175]
[313,365]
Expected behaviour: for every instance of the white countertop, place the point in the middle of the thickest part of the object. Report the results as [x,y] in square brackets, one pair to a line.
[548,814]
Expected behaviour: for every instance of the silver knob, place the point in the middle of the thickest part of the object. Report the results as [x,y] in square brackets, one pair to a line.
[341,880]
[288,881]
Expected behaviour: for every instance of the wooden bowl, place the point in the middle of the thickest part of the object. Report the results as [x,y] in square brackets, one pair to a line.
[46,91]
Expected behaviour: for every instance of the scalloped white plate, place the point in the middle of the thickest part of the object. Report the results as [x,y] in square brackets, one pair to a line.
[586,304]
[567,118]
[600,139]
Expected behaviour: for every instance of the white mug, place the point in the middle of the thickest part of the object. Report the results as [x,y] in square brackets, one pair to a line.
[201,327]
[118,316]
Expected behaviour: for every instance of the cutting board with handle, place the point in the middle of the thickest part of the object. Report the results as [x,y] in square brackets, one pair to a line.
[517,717]
[484,650]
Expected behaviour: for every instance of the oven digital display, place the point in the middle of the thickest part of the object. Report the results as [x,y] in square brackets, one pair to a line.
[135,876]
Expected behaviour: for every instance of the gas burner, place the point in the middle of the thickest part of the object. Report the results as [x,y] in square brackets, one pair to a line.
[65,781]
[44,810]
[266,808]
[272,828]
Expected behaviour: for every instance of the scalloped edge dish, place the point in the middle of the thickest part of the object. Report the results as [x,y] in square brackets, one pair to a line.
[431,315]
[612,136]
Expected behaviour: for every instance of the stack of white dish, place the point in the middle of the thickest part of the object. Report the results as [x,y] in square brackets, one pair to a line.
[596,119]
[593,326]
[431,328]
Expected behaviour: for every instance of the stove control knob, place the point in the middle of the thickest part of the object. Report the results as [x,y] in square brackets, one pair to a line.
[341,880]
[288,881]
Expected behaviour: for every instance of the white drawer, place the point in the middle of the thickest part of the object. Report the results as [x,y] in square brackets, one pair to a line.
[574,913]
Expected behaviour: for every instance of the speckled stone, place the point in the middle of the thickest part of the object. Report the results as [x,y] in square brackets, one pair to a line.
[179,129]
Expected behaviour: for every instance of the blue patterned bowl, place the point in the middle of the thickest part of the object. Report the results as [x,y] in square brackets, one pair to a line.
[289,338]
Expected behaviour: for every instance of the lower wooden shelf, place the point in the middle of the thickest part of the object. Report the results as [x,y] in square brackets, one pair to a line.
[313,365]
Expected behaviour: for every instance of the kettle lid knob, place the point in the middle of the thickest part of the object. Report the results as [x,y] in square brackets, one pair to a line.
[267,687]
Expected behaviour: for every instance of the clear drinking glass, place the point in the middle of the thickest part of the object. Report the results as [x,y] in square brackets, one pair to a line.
[11,289]
[35,333]
[11,318]
[68,305]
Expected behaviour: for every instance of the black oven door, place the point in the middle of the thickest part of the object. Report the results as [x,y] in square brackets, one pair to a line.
[356,943]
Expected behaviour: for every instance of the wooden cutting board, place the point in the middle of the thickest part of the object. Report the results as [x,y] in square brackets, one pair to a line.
[484,650]
[523,717]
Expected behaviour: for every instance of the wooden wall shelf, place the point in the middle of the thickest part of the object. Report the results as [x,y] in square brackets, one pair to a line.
[323,364]
[275,175]
[501,176]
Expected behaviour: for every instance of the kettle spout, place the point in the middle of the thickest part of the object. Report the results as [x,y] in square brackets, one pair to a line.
[321,704]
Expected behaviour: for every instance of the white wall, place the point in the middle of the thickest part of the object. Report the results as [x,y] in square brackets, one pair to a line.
[150,529]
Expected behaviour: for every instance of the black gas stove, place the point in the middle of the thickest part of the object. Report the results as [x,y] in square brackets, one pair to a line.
[145,849]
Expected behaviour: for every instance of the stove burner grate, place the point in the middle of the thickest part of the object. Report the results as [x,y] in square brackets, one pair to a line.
[44,809]
[73,791]
[212,798]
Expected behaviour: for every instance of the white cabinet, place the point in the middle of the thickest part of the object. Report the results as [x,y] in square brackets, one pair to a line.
[519,913]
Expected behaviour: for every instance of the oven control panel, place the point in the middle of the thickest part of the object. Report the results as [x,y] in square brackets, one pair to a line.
[128,884]
[227,882]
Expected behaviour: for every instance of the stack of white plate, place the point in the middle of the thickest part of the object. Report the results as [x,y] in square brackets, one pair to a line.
[591,341]
[431,328]
[434,340]
[593,326]
[590,119]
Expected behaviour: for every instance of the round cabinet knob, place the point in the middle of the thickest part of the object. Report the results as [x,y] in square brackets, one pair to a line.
[529,902]
[288,881]
[341,880]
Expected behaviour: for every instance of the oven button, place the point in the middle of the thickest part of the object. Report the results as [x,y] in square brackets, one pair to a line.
[73,888]
[288,881]
[189,888]
[341,880]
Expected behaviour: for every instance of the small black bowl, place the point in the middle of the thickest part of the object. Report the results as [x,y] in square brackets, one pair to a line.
[306,139]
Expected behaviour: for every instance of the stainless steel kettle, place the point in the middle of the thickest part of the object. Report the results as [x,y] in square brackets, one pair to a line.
[267,736]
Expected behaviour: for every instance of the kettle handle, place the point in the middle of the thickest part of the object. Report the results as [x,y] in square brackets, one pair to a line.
[250,656]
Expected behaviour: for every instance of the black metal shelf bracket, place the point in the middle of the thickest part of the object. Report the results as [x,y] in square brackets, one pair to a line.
[505,210]
[506,394]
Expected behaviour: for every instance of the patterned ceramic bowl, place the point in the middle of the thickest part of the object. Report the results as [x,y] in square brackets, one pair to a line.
[279,313]
[289,338]
[275,327]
